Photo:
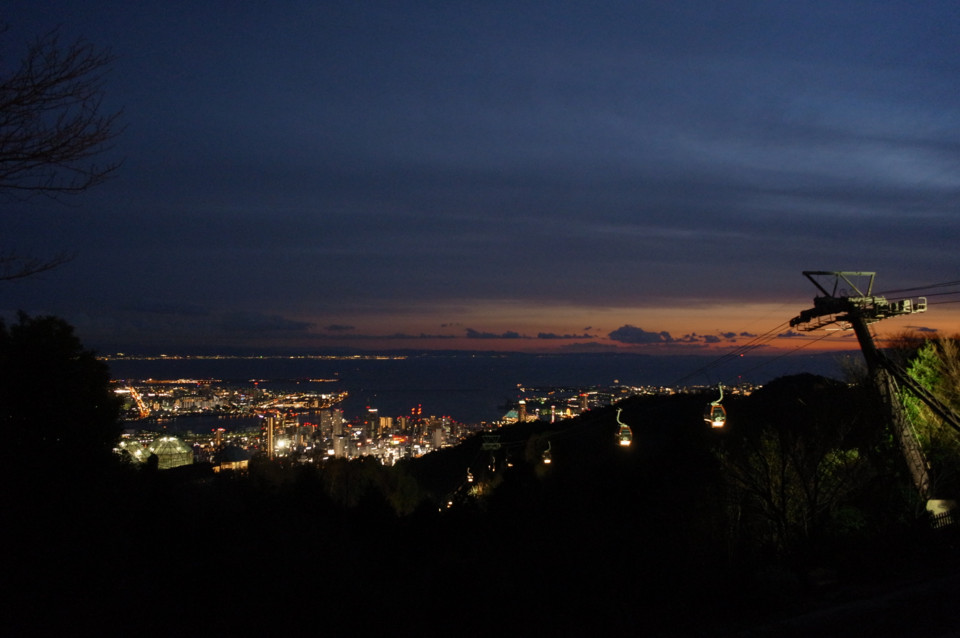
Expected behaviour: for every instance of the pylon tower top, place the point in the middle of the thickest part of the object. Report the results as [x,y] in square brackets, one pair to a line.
[850,295]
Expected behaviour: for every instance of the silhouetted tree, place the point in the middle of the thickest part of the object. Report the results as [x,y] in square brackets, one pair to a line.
[800,452]
[903,346]
[57,410]
[52,127]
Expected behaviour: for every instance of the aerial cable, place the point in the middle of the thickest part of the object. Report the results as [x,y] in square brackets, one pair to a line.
[751,345]
[940,285]
[765,338]
[928,295]
[788,353]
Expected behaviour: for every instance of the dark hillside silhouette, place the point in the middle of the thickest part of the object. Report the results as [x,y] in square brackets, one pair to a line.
[58,412]
[664,537]
[60,481]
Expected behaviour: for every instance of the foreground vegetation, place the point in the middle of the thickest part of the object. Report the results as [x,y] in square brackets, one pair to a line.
[801,497]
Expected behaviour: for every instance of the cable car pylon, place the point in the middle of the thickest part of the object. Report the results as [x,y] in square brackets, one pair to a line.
[857,311]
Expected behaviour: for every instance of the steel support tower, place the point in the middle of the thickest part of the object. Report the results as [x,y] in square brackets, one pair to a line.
[849,301]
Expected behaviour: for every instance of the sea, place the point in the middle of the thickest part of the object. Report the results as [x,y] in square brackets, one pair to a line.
[471,387]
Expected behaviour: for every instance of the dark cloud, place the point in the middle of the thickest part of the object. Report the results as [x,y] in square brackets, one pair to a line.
[396,336]
[922,329]
[336,327]
[168,308]
[255,323]
[633,335]
[509,334]
[791,334]
[166,330]
[551,335]
[341,162]
[588,347]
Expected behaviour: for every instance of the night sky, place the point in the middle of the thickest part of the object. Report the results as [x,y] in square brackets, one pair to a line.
[497,175]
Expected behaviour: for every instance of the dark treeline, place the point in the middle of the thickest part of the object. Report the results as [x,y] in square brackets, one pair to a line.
[801,499]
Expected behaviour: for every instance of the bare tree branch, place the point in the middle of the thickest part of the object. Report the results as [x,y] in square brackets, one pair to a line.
[13,266]
[52,129]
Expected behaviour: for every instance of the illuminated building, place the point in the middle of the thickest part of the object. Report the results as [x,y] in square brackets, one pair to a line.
[270,436]
[386,425]
[171,452]
[331,423]
[439,437]
[232,458]
[371,424]
[133,450]
[341,446]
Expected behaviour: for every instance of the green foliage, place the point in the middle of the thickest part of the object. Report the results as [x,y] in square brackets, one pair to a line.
[402,490]
[936,366]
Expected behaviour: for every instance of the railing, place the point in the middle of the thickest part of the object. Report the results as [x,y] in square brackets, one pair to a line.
[944,520]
